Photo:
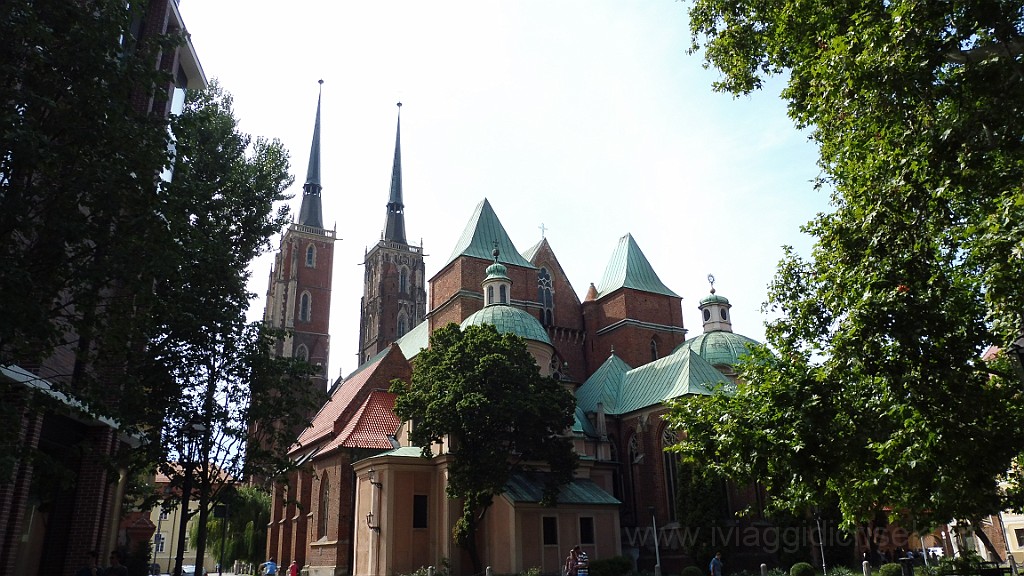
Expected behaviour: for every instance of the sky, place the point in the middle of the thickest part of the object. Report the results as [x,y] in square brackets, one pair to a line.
[588,118]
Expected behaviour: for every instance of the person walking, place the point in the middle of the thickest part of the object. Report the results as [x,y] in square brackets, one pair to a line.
[715,567]
[269,567]
[571,562]
[293,569]
[582,562]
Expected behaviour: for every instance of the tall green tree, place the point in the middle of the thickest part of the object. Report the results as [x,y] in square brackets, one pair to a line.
[221,208]
[482,393]
[78,199]
[243,532]
[875,393]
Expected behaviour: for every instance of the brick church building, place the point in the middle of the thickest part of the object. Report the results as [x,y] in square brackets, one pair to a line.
[364,502]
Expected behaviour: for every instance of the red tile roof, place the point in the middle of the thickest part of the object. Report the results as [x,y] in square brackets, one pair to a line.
[344,395]
[371,427]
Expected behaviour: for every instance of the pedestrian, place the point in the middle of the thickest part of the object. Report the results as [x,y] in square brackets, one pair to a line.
[293,569]
[715,567]
[269,567]
[571,562]
[92,565]
[582,562]
[116,568]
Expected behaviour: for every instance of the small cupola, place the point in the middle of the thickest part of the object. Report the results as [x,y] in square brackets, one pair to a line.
[715,311]
[497,285]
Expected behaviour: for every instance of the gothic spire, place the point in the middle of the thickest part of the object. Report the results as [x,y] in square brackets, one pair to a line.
[394,231]
[311,212]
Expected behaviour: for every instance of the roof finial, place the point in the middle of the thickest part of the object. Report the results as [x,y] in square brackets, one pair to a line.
[495,252]
[711,279]
[543,229]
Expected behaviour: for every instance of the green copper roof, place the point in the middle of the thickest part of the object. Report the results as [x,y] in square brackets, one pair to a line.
[582,424]
[479,238]
[509,320]
[720,347]
[604,386]
[497,271]
[394,227]
[528,487]
[629,268]
[714,299]
[415,340]
[678,374]
[310,211]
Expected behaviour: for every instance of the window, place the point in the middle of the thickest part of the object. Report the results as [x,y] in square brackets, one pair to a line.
[158,542]
[503,293]
[586,530]
[707,314]
[671,462]
[545,298]
[401,326]
[403,281]
[302,353]
[325,503]
[723,314]
[550,529]
[1019,533]
[490,295]
[310,256]
[304,306]
[419,511]
[163,514]
[654,349]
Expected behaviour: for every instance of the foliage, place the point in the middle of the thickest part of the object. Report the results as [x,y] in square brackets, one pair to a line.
[801,569]
[701,506]
[614,566]
[77,202]
[967,561]
[777,572]
[843,571]
[890,569]
[243,402]
[483,394]
[248,516]
[877,338]
[692,571]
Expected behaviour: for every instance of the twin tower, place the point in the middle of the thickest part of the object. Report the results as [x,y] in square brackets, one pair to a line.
[299,292]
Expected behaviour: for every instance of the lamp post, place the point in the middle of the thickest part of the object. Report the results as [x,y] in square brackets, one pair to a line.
[657,552]
[193,434]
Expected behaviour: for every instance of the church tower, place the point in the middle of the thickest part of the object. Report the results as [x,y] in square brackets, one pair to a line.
[299,292]
[394,291]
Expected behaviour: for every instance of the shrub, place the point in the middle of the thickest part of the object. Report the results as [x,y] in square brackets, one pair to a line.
[801,569]
[891,569]
[535,571]
[777,572]
[747,573]
[842,571]
[692,571]
[614,566]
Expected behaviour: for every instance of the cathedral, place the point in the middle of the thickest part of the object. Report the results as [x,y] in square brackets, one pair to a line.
[363,501]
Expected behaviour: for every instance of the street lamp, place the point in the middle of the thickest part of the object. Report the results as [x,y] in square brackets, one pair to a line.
[193,436]
[657,552]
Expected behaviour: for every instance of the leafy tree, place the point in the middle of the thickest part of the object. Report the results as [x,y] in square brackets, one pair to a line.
[876,393]
[248,515]
[701,506]
[483,394]
[77,199]
[219,209]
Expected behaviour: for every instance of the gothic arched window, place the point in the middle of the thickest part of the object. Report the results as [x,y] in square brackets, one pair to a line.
[401,325]
[545,297]
[304,307]
[302,353]
[325,503]
[403,281]
[310,256]
[654,349]
[670,460]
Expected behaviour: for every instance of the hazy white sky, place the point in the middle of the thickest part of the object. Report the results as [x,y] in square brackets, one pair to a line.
[586,116]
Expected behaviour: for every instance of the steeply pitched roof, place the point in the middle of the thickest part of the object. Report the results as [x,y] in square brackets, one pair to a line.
[345,402]
[532,250]
[415,340]
[479,236]
[310,212]
[581,424]
[394,228]
[604,386]
[629,268]
[528,487]
[679,374]
[371,426]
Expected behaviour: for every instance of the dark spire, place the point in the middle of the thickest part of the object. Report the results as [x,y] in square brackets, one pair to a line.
[394,230]
[311,213]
